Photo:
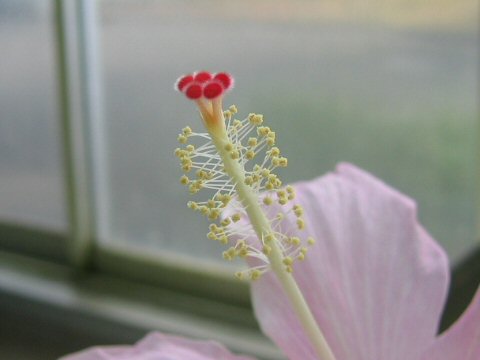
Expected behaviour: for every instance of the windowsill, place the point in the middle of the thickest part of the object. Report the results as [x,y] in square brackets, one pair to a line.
[48,311]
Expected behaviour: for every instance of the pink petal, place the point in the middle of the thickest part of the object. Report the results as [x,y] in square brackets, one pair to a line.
[375,280]
[462,340]
[156,346]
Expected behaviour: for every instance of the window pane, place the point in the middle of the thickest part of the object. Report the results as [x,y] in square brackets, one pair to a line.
[30,173]
[386,88]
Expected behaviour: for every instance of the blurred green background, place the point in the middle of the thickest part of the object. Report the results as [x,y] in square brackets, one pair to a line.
[390,86]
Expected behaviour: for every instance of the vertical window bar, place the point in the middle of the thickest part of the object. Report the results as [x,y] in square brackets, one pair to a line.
[80,106]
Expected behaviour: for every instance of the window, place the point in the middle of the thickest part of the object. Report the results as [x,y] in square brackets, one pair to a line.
[30,166]
[397,100]
[89,123]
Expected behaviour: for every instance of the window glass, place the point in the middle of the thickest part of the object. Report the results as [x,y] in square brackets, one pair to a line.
[31,186]
[391,89]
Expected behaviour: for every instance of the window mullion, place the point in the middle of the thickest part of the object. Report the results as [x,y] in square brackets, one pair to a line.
[80,106]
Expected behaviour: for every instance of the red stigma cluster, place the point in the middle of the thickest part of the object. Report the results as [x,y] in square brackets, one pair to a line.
[204,84]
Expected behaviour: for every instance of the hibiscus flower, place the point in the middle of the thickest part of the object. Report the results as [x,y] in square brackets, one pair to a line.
[375,280]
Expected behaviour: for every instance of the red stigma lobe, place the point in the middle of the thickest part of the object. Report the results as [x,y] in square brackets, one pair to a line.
[194,91]
[183,82]
[203,84]
[213,89]
[202,76]
[225,79]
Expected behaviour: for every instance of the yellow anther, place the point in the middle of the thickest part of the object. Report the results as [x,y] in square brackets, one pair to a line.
[290,189]
[269,186]
[291,196]
[235,154]
[280,216]
[227,114]
[270,142]
[281,193]
[193,188]
[186,160]
[226,199]
[186,167]
[298,210]
[214,214]
[192,205]
[248,180]
[300,224]
[226,222]
[228,147]
[237,123]
[252,142]
[255,119]
[289,269]
[282,201]
[274,151]
[263,130]
[267,200]
[178,152]
[235,217]
[233,109]
[182,139]
[204,210]
[212,235]
[232,252]
[288,260]
[243,252]
[258,119]
[184,154]
[187,131]
[295,240]
[269,237]
[301,256]
[190,148]
[283,162]
[267,249]
[239,275]
[224,239]
[250,154]
[310,241]
[226,256]
[241,243]
[265,172]
[255,274]
[213,227]
[275,161]
[184,180]
[211,203]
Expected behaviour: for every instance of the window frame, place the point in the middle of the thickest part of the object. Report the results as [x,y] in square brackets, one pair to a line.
[80,103]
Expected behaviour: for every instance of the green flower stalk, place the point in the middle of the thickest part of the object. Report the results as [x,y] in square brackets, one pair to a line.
[246,192]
